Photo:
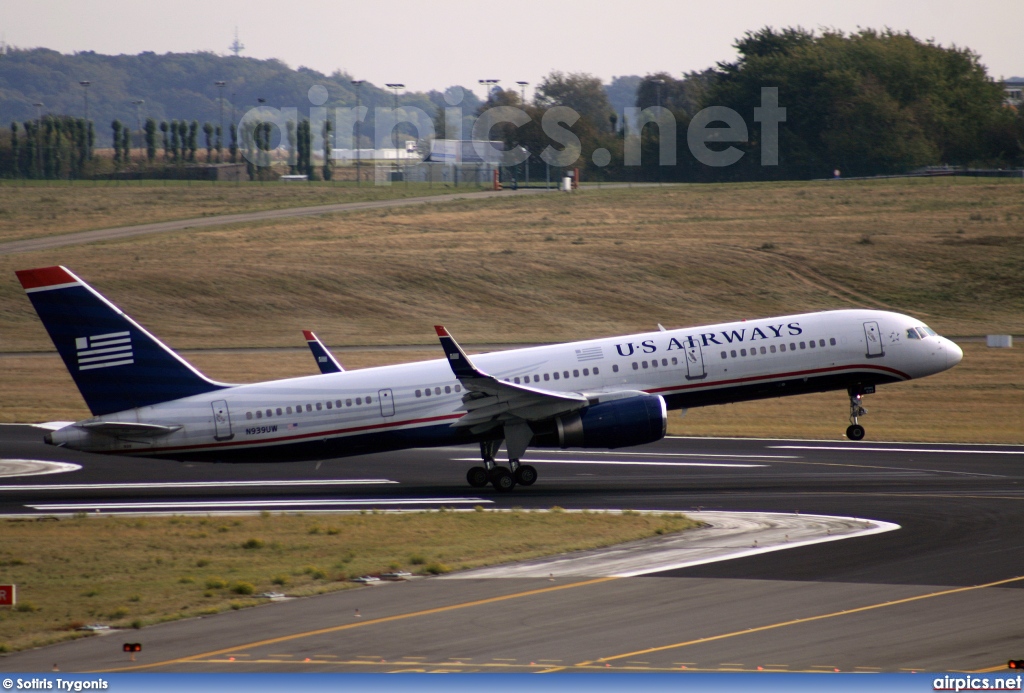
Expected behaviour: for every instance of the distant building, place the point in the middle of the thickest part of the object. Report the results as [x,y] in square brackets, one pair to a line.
[1014,92]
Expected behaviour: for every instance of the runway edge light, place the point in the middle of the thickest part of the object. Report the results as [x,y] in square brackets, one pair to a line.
[1015,664]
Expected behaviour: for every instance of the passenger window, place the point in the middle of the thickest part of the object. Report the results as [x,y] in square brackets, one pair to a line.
[319,406]
[369,400]
[418,393]
[309,407]
[724,355]
[636,366]
[575,373]
[644,364]
[515,380]
[248,414]
[458,388]
[337,403]
[772,348]
[832,341]
[615,368]
[547,377]
[359,400]
[664,362]
[447,391]
[782,347]
[586,372]
[597,372]
[269,413]
[348,402]
[743,352]
[437,391]
[675,361]
[733,353]
[565,374]
[536,378]
[821,342]
[556,375]
[279,411]
[803,345]
[330,404]
[654,363]
[259,414]
[811,344]
[762,350]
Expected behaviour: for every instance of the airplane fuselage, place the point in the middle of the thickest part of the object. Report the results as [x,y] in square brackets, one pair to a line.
[416,404]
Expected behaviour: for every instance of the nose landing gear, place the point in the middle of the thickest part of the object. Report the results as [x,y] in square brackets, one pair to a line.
[855,431]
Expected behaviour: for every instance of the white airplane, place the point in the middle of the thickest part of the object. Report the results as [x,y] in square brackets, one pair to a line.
[599,393]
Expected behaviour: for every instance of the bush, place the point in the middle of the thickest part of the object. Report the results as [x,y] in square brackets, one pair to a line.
[26,607]
[280,580]
[216,584]
[252,544]
[243,588]
[438,568]
[416,559]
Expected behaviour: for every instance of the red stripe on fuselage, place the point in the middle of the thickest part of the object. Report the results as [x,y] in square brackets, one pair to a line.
[265,441]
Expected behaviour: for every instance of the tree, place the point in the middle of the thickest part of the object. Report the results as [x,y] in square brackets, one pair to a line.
[220,153]
[15,153]
[167,143]
[233,129]
[183,139]
[208,132]
[126,145]
[116,126]
[175,143]
[291,146]
[150,140]
[193,140]
[328,168]
[579,91]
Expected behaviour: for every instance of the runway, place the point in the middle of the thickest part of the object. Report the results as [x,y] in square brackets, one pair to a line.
[939,593]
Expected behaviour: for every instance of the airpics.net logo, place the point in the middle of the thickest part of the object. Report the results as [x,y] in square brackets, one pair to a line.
[104,351]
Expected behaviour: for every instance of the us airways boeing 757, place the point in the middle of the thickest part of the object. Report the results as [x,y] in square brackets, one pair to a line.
[602,393]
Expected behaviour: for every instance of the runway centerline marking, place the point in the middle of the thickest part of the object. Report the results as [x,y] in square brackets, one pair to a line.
[202,505]
[362,624]
[798,621]
[627,463]
[709,455]
[927,450]
[194,484]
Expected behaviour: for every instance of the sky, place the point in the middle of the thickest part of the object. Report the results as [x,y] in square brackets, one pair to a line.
[431,45]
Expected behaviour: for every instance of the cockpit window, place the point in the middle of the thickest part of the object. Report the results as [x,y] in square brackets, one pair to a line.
[927,331]
[912,333]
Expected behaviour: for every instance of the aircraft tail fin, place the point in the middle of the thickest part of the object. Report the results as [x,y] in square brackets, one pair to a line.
[324,359]
[113,360]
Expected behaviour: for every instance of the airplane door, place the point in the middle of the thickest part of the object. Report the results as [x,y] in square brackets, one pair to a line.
[695,362]
[873,338]
[221,421]
[387,402]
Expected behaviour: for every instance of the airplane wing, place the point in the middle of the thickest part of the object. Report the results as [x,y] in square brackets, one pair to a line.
[324,359]
[491,402]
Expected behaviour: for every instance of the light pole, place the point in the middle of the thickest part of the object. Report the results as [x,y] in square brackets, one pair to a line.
[522,87]
[220,84]
[526,161]
[138,122]
[85,92]
[657,89]
[396,87]
[358,84]
[489,85]
[39,129]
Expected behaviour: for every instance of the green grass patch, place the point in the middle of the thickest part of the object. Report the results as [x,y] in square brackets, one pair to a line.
[129,574]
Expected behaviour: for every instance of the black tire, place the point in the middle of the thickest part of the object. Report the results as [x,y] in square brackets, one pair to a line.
[477,477]
[855,432]
[502,480]
[526,474]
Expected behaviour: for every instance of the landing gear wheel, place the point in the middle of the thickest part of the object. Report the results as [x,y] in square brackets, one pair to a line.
[477,477]
[502,480]
[855,432]
[526,474]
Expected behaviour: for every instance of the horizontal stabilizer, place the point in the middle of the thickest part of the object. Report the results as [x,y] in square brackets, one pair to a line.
[122,428]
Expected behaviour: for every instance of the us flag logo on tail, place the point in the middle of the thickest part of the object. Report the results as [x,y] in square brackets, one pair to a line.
[104,351]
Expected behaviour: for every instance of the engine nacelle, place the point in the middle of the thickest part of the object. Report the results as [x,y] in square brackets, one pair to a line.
[615,424]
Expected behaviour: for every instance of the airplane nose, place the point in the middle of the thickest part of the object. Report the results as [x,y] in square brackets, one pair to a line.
[954,354]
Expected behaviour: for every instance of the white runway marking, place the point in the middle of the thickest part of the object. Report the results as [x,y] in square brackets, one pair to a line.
[701,455]
[194,484]
[629,463]
[857,448]
[207,505]
[14,467]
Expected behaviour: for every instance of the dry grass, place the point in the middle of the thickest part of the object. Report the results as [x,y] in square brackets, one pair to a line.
[134,572]
[561,267]
[39,208]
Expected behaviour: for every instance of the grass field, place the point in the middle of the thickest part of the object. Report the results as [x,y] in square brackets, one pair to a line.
[29,209]
[134,572]
[595,263]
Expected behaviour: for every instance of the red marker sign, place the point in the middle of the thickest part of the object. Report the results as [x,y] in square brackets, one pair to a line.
[8,595]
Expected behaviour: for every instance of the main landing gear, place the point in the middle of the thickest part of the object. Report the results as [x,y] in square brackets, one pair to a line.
[855,431]
[502,478]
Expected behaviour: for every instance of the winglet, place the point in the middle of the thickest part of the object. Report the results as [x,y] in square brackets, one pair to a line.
[462,367]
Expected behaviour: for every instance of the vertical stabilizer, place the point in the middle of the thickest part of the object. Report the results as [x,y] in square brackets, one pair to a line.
[113,360]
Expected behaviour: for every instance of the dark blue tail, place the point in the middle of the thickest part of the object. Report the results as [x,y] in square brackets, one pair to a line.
[116,364]
[324,359]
